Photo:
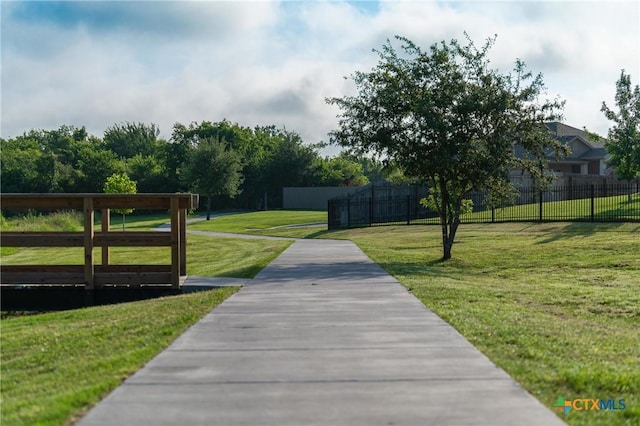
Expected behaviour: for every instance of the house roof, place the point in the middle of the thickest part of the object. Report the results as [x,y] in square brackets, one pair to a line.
[567,135]
[595,154]
[562,131]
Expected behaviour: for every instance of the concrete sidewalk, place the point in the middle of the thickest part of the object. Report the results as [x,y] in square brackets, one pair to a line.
[321,336]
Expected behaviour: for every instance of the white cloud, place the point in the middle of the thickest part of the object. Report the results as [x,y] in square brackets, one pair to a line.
[260,63]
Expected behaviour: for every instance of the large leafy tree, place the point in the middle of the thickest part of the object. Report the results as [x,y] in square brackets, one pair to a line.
[148,172]
[446,118]
[288,163]
[241,140]
[340,171]
[130,139]
[624,136]
[213,170]
[271,157]
[25,167]
[95,165]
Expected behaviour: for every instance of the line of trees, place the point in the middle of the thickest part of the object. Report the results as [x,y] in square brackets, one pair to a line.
[257,162]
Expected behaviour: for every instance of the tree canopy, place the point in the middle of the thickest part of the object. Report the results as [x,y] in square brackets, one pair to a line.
[624,136]
[120,183]
[447,119]
[214,170]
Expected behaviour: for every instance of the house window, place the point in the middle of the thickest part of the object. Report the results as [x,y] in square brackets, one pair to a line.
[575,168]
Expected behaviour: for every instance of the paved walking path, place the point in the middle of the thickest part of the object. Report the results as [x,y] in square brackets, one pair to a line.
[322,336]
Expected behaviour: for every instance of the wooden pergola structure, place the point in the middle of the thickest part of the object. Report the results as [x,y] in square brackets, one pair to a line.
[91,275]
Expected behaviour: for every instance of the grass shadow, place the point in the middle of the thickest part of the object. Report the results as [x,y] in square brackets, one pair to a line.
[584,229]
[321,233]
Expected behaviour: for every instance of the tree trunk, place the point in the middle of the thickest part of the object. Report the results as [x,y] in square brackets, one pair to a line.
[448,236]
[446,246]
[208,207]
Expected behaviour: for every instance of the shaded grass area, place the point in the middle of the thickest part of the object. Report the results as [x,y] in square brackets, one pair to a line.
[556,305]
[260,222]
[55,366]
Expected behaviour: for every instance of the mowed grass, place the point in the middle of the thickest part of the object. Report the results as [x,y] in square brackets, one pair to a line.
[55,366]
[263,222]
[556,305]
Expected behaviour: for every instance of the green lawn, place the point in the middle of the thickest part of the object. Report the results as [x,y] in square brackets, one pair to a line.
[55,366]
[556,305]
[263,222]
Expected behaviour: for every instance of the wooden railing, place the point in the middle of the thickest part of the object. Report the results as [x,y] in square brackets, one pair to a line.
[92,275]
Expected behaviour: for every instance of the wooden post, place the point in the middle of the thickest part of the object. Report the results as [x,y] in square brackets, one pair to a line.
[183,241]
[88,243]
[105,219]
[175,242]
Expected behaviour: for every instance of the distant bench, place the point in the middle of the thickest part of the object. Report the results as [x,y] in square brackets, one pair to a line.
[89,275]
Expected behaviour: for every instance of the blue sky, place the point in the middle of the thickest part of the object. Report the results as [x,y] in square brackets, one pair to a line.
[94,64]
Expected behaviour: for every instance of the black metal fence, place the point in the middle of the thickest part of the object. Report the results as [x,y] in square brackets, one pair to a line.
[617,202]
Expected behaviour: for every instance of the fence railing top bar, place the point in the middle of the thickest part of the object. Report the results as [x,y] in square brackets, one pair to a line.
[93,195]
[100,201]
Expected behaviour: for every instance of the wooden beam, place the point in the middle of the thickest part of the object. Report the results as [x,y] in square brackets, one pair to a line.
[11,275]
[88,243]
[183,242]
[49,269]
[76,239]
[133,268]
[41,239]
[118,275]
[132,278]
[132,239]
[57,269]
[105,224]
[100,201]
[41,201]
[42,278]
[175,243]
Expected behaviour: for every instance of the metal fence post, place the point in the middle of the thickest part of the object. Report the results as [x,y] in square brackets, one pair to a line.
[408,209]
[370,211]
[348,213]
[593,193]
[540,206]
